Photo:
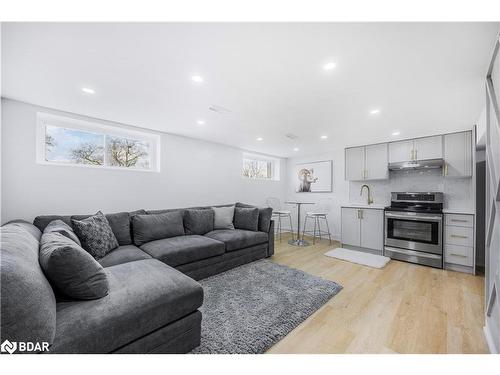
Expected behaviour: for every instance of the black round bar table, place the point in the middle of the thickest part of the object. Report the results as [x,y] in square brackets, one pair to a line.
[298,241]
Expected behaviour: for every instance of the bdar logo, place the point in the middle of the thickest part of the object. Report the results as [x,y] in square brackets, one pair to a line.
[8,346]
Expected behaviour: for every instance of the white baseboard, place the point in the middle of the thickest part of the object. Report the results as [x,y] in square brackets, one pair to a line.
[489,340]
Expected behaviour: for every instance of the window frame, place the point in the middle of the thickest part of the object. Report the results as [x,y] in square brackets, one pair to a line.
[275,166]
[46,119]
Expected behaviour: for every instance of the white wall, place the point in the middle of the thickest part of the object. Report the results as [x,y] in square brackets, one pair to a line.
[338,196]
[193,172]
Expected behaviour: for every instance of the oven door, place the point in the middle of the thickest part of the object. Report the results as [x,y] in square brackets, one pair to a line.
[414,231]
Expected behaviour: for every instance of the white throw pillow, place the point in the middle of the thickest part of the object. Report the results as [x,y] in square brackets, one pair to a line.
[223,217]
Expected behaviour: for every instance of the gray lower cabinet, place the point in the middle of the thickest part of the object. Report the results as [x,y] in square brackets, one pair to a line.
[458,237]
[363,228]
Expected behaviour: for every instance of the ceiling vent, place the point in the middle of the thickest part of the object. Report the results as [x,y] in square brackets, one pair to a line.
[220,110]
[291,136]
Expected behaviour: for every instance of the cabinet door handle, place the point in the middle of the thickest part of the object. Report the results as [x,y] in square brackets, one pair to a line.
[459,255]
[411,155]
[459,220]
[446,169]
[458,236]
[416,152]
[361,214]
[359,217]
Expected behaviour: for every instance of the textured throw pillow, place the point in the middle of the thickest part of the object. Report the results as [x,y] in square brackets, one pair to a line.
[59,226]
[223,217]
[246,218]
[71,269]
[96,235]
[153,227]
[199,221]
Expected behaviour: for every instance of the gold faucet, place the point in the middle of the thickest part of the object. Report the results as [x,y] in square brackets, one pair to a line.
[370,199]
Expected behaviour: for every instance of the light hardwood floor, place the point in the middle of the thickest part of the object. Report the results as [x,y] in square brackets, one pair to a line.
[403,308]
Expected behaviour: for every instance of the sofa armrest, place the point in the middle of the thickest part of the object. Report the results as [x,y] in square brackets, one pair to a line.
[270,244]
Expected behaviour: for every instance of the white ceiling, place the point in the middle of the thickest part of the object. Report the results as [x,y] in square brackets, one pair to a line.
[425,78]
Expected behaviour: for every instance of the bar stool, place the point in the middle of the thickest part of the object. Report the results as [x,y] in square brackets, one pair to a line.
[279,214]
[320,213]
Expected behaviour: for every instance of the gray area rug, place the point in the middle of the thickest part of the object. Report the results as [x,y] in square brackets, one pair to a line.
[250,308]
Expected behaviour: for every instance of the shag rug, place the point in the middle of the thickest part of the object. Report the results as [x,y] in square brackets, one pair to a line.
[359,257]
[250,308]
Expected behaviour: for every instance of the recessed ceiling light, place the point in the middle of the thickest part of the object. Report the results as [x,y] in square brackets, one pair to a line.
[324,137]
[88,90]
[296,149]
[197,79]
[396,133]
[329,66]
[260,139]
[374,111]
[200,122]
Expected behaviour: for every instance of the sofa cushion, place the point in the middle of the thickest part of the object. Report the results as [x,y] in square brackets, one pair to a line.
[183,249]
[223,217]
[72,270]
[95,234]
[199,221]
[42,221]
[123,254]
[119,223]
[153,227]
[236,239]
[28,304]
[59,226]
[246,218]
[143,297]
[265,214]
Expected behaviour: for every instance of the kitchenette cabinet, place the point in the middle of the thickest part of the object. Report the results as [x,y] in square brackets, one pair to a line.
[366,163]
[458,154]
[416,149]
[459,245]
[363,228]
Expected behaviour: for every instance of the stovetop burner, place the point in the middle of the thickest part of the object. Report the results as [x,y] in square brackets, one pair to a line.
[430,202]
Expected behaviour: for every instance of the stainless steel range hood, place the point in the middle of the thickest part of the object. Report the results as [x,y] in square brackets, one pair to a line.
[417,164]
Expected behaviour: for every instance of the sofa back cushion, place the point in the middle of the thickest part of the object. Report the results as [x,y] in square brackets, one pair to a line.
[28,304]
[153,227]
[119,223]
[96,235]
[265,214]
[246,218]
[71,270]
[199,221]
[59,226]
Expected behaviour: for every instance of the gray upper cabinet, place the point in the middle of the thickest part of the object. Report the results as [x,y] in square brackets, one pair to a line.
[366,163]
[376,162]
[416,149]
[458,154]
[400,151]
[428,148]
[354,163]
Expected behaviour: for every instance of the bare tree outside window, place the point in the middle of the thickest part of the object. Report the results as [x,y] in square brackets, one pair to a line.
[258,169]
[88,153]
[50,142]
[128,153]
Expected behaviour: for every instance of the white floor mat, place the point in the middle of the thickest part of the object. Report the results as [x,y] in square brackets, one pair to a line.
[366,259]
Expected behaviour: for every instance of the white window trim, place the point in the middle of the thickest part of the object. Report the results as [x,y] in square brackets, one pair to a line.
[45,119]
[275,169]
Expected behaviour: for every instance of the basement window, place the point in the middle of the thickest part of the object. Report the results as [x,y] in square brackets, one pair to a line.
[71,142]
[258,167]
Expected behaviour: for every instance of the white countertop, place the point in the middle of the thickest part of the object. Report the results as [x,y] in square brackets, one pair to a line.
[458,211]
[364,206]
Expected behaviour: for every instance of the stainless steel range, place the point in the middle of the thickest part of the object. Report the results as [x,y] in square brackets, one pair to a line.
[414,228]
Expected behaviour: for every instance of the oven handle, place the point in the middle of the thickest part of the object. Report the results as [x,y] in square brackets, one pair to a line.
[416,218]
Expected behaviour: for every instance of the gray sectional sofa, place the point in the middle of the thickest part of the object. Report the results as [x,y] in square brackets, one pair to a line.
[153,298]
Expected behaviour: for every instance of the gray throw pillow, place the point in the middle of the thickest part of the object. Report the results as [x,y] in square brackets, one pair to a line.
[223,217]
[71,269]
[246,218]
[199,221]
[153,227]
[61,227]
[96,235]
